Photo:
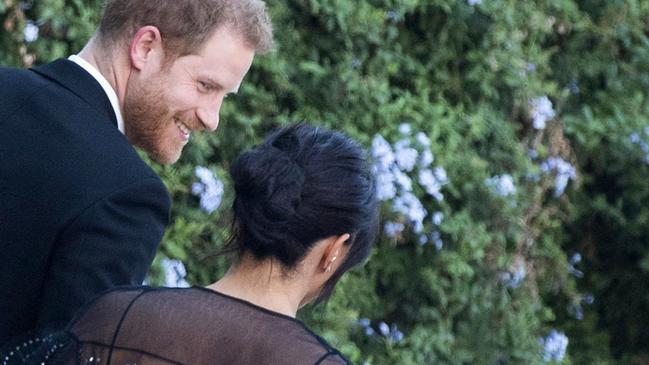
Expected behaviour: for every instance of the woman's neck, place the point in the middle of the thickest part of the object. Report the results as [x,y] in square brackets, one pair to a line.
[263,284]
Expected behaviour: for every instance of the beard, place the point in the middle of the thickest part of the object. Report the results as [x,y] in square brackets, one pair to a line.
[146,118]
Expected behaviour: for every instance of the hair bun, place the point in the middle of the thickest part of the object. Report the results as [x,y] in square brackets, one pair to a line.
[268,181]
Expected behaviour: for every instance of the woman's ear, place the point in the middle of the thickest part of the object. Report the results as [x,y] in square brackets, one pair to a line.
[146,47]
[334,253]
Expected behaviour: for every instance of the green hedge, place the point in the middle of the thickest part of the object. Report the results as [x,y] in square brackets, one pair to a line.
[534,202]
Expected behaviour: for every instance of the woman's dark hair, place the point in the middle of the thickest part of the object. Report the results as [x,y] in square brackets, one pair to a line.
[303,184]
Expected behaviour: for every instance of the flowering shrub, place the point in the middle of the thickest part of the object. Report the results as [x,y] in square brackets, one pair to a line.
[401,171]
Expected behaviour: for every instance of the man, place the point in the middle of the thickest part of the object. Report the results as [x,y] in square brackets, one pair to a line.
[79,211]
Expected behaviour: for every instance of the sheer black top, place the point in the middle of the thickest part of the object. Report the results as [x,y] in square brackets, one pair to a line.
[162,326]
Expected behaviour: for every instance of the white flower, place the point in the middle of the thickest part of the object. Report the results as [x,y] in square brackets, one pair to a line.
[30,33]
[174,273]
[554,346]
[405,155]
[210,189]
[502,185]
[541,111]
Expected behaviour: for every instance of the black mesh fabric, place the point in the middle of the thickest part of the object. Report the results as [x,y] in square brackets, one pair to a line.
[163,326]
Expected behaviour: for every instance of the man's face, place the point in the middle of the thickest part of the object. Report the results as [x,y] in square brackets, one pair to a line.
[163,105]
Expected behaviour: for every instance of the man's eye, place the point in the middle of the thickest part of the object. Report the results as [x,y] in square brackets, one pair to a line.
[205,86]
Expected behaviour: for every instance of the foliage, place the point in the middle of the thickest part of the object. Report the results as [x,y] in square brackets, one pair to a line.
[535,110]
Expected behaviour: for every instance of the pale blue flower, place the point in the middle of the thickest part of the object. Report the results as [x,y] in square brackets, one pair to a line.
[575,258]
[402,179]
[572,270]
[382,153]
[541,111]
[30,33]
[588,299]
[573,86]
[405,155]
[386,188]
[502,185]
[405,129]
[423,139]
[174,273]
[554,346]
[391,333]
[437,240]
[393,229]
[367,327]
[209,188]
[432,181]
[429,182]
[412,208]
[515,278]
[426,159]
[395,334]
[564,172]
[440,174]
[437,218]
[384,328]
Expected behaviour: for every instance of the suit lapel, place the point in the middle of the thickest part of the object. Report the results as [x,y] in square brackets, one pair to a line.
[80,82]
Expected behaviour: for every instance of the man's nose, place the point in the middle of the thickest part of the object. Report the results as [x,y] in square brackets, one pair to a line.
[209,113]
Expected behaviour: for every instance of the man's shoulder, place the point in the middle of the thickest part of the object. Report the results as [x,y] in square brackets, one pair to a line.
[17,86]
[65,142]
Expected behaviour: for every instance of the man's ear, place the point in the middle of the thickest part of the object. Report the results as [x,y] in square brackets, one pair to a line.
[146,47]
[334,253]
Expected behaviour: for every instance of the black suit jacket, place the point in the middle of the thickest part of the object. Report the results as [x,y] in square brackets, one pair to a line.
[80,212]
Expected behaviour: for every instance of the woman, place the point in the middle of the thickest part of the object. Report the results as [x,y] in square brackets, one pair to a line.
[305,213]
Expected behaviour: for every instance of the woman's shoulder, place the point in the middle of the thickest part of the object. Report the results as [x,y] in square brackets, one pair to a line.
[199,315]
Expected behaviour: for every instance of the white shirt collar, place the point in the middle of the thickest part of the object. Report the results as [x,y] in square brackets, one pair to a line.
[110,92]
